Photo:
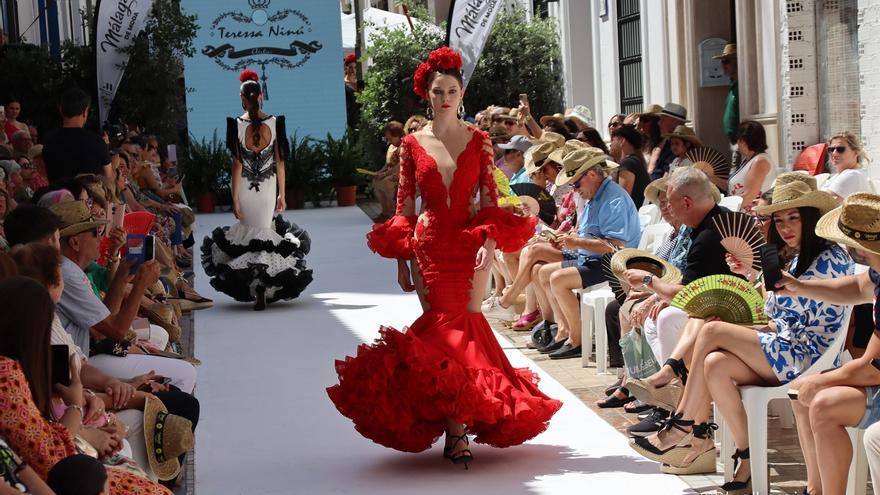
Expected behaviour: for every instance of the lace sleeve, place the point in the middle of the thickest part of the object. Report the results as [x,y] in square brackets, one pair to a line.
[393,239]
[511,232]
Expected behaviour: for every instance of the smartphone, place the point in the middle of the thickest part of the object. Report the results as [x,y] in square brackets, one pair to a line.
[139,250]
[172,153]
[771,266]
[524,98]
[117,218]
[164,380]
[60,364]
[149,248]
[792,394]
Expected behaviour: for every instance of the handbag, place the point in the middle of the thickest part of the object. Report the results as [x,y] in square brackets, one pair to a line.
[637,355]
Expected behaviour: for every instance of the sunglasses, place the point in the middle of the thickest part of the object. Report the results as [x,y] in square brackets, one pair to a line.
[509,122]
[839,149]
[761,218]
[614,124]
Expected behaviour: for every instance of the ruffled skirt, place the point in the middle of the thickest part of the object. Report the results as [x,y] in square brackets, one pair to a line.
[400,390]
[239,259]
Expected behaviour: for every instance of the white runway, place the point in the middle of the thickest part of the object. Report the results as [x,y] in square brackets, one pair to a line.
[267,426]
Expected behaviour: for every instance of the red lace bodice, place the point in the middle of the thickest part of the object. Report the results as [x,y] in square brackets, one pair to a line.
[446,237]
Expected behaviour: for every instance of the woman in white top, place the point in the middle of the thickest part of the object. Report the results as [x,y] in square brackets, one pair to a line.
[757,172]
[847,157]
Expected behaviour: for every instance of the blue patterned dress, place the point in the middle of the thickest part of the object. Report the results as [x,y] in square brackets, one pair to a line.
[805,327]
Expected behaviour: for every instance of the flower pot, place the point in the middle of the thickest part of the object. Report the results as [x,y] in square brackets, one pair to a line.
[345,195]
[296,198]
[206,202]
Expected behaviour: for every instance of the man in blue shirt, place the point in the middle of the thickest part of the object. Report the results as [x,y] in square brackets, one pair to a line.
[609,221]
[514,152]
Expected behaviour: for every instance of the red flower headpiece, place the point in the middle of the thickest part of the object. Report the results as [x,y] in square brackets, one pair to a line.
[350,58]
[248,75]
[443,58]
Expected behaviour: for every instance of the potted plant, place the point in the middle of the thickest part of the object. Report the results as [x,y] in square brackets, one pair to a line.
[343,156]
[203,162]
[302,166]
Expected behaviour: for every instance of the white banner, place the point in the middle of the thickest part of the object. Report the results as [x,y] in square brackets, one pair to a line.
[119,23]
[470,22]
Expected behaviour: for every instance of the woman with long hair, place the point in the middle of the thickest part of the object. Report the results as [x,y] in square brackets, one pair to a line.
[726,356]
[447,373]
[261,258]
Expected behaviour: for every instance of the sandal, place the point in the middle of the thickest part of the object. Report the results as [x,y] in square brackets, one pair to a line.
[613,400]
[527,321]
[463,456]
[738,487]
[700,459]
[637,407]
[675,453]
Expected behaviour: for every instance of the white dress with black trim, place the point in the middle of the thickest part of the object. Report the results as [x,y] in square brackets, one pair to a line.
[262,249]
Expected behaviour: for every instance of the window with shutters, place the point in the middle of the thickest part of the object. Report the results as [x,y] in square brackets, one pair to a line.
[629,50]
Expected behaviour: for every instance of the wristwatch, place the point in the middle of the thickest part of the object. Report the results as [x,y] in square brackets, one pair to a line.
[647,279]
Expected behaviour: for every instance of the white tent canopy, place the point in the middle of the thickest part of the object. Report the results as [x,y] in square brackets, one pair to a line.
[374,20]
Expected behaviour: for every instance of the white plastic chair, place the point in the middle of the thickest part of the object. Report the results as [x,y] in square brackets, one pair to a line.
[594,299]
[652,234]
[653,212]
[732,203]
[857,479]
[755,399]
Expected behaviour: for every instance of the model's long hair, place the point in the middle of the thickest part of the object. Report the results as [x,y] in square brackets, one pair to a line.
[811,244]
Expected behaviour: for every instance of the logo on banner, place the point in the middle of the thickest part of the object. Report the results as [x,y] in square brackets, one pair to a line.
[280,39]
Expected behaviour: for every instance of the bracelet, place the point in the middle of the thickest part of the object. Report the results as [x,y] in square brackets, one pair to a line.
[76,407]
[88,392]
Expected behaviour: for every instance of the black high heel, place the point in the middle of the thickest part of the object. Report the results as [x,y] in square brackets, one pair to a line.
[738,487]
[679,369]
[260,303]
[463,456]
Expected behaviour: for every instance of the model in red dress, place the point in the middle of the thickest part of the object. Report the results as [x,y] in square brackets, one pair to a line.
[446,372]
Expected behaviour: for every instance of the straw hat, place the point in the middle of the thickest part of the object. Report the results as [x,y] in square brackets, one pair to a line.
[798,194]
[35,151]
[578,162]
[684,133]
[537,153]
[856,223]
[76,218]
[675,111]
[551,137]
[556,117]
[728,52]
[789,177]
[653,109]
[581,113]
[513,114]
[498,111]
[167,437]
[567,147]
[629,258]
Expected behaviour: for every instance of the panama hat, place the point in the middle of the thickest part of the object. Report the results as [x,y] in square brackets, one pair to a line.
[855,223]
[76,218]
[551,137]
[684,133]
[167,437]
[557,118]
[629,258]
[577,163]
[798,194]
[581,113]
[653,109]
[728,52]
[534,157]
[789,177]
[567,147]
[675,111]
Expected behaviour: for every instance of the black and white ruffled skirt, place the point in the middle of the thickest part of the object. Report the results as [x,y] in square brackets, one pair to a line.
[239,259]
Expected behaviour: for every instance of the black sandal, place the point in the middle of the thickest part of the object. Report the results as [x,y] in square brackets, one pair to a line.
[613,401]
[679,369]
[675,421]
[738,487]
[610,390]
[463,456]
[637,407]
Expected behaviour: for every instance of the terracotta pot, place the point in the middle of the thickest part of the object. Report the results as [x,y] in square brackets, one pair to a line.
[206,202]
[346,195]
[296,199]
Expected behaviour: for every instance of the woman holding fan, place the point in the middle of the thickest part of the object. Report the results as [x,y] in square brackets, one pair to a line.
[261,257]
[726,356]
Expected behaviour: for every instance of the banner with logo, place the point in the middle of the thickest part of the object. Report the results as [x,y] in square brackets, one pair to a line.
[468,28]
[119,23]
[295,47]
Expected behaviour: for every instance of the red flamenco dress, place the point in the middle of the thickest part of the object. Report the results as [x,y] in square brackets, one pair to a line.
[448,364]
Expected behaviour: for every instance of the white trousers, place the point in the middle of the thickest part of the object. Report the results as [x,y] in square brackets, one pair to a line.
[181,373]
[872,448]
[663,335]
[134,435]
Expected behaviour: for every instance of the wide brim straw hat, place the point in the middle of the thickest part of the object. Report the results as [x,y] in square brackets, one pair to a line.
[567,147]
[789,177]
[76,218]
[551,137]
[653,109]
[629,258]
[534,157]
[558,118]
[684,133]
[798,195]
[577,163]
[167,436]
[855,223]
[728,52]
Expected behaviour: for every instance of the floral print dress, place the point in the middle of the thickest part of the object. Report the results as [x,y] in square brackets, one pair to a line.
[805,327]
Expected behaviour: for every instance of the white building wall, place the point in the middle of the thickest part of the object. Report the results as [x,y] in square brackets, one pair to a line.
[576,45]
[606,74]
[869,67]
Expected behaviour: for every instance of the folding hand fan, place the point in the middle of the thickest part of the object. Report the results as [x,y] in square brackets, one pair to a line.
[729,298]
[740,237]
[710,161]
[612,279]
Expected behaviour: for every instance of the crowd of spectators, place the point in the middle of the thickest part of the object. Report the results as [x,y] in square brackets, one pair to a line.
[98,393]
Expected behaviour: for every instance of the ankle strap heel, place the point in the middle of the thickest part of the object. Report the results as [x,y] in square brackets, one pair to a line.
[679,369]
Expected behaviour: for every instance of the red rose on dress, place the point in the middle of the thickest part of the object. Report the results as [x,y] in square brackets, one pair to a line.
[248,75]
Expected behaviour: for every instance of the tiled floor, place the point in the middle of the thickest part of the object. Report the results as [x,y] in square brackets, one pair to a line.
[787,471]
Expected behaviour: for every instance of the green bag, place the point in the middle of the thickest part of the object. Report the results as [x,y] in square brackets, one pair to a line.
[637,355]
